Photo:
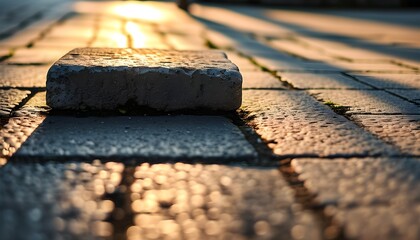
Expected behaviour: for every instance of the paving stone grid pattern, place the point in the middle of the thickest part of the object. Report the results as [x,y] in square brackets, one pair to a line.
[359,171]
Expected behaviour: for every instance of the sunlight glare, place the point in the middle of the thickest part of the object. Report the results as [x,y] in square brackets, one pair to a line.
[140,12]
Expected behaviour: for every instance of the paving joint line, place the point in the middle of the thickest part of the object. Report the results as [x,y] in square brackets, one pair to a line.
[302,195]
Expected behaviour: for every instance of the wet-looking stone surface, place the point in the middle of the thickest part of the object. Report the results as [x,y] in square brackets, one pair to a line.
[166,80]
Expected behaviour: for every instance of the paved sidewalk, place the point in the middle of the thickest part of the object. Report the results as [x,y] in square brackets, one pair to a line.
[326,144]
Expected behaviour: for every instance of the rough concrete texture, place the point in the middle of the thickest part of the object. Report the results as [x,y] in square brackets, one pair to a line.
[260,79]
[166,80]
[35,106]
[57,201]
[372,198]
[386,81]
[15,132]
[209,138]
[215,202]
[412,95]
[367,101]
[402,131]
[295,124]
[9,99]
[321,81]
[23,76]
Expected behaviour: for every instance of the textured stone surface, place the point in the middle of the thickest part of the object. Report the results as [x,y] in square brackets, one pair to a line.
[208,138]
[243,63]
[15,132]
[402,131]
[9,99]
[23,76]
[295,124]
[35,106]
[319,80]
[57,201]
[380,222]
[384,81]
[411,95]
[213,201]
[366,101]
[37,55]
[261,80]
[160,79]
[371,198]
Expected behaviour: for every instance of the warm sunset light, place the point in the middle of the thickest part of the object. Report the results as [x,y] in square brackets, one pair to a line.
[140,12]
[138,36]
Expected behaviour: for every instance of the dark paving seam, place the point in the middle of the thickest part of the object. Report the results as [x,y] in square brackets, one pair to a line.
[44,32]
[404,65]
[122,216]
[302,195]
[376,88]
[24,23]
[35,89]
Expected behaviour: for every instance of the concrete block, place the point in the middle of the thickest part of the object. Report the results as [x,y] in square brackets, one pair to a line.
[165,80]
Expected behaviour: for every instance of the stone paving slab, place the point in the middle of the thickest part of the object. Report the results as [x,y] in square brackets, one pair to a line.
[261,80]
[57,201]
[154,138]
[367,101]
[37,55]
[36,106]
[372,198]
[412,95]
[215,202]
[295,124]
[61,42]
[15,132]
[402,131]
[23,76]
[390,81]
[243,63]
[9,99]
[166,80]
[301,50]
[321,81]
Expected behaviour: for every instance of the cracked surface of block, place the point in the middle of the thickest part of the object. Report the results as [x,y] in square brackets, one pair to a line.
[166,80]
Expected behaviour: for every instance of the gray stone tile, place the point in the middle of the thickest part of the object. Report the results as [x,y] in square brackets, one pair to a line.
[37,55]
[213,201]
[9,99]
[322,81]
[367,181]
[36,106]
[166,80]
[15,132]
[277,62]
[23,76]
[371,198]
[412,95]
[57,200]
[387,81]
[243,63]
[295,124]
[301,50]
[260,80]
[207,138]
[367,101]
[402,131]
[377,67]
[380,222]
